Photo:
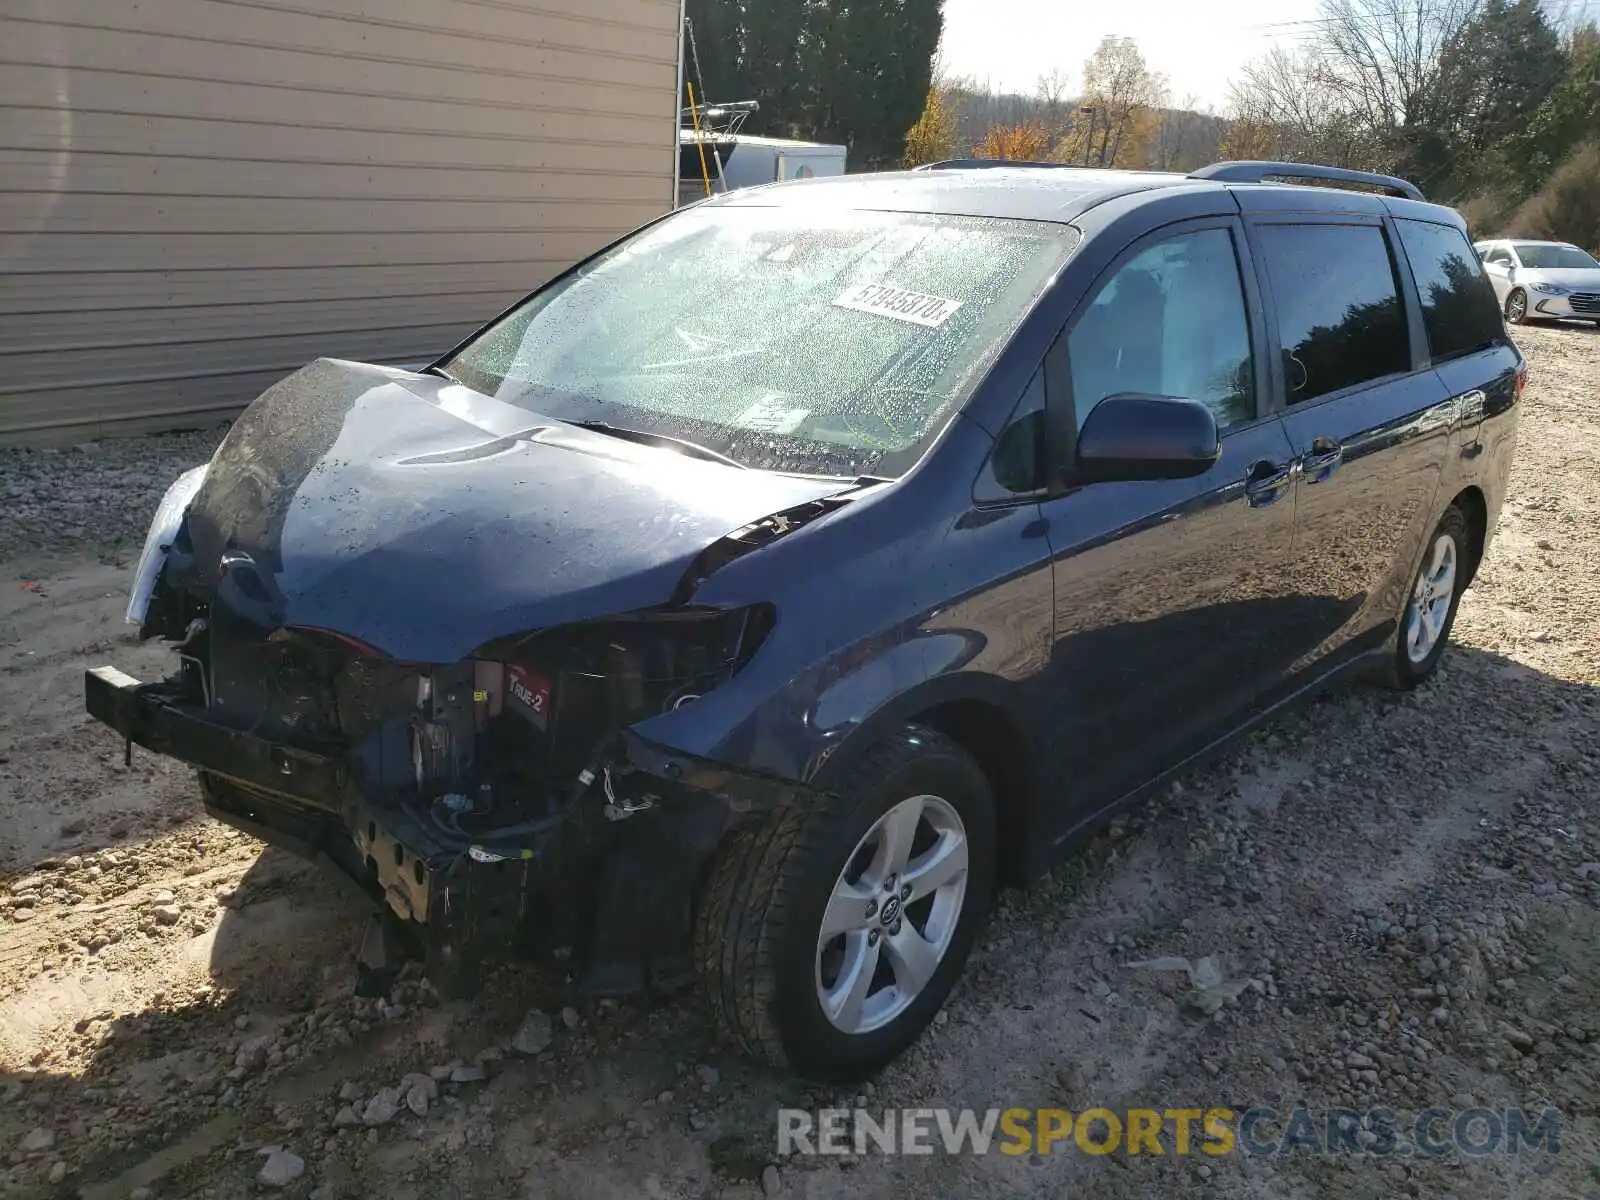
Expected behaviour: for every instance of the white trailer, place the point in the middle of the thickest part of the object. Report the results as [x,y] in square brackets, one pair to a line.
[747,161]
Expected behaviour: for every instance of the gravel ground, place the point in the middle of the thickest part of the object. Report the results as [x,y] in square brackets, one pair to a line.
[1401,893]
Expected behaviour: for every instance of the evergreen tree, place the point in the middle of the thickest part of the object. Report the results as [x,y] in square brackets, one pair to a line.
[1569,115]
[851,71]
[1491,80]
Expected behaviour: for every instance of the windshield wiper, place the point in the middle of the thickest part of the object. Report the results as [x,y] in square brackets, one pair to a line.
[658,439]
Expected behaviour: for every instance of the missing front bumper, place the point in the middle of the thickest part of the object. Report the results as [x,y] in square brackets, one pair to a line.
[618,892]
[152,717]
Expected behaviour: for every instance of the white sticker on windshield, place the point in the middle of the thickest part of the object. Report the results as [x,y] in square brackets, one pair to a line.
[771,415]
[900,303]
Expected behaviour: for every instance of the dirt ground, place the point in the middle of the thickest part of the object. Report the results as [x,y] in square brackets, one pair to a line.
[1403,890]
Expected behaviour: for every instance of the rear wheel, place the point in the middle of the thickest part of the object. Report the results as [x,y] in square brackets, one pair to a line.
[1431,604]
[1517,307]
[828,937]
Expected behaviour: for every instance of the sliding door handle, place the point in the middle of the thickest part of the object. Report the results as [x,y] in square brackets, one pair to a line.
[1322,460]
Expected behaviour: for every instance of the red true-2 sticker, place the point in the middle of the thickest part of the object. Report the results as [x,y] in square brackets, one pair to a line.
[529,692]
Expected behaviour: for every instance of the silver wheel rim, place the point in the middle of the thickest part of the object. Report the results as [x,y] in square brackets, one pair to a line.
[1430,599]
[1518,306]
[892,914]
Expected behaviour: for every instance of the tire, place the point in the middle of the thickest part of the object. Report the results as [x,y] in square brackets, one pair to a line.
[1517,307]
[1412,664]
[758,941]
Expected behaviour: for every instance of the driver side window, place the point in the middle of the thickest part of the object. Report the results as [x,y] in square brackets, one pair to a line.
[1170,322]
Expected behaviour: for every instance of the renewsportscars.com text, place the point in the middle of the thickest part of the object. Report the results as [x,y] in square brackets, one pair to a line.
[1257,1132]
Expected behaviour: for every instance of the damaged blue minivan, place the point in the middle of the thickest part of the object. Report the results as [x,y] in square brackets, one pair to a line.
[755,598]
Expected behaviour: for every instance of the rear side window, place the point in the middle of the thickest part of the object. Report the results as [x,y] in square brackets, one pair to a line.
[1458,305]
[1340,321]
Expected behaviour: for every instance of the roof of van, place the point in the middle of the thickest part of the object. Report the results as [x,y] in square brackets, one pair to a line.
[1023,193]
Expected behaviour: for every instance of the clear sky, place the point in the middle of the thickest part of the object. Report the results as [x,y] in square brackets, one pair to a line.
[1197,44]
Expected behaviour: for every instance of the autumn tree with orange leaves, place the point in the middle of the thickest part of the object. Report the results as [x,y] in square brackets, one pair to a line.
[1026,143]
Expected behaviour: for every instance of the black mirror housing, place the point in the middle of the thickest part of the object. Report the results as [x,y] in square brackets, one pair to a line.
[1130,436]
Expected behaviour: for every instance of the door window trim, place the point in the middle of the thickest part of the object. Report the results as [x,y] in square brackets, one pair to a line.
[1405,289]
[1060,404]
[1034,495]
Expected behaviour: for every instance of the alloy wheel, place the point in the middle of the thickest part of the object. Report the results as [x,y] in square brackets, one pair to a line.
[1431,599]
[892,914]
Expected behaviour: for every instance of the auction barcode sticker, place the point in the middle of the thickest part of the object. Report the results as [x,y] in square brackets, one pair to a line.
[900,303]
[771,415]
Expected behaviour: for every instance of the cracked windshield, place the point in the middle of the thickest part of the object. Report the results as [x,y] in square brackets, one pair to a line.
[834,343]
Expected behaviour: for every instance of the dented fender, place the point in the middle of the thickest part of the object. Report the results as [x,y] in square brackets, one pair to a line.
[158,541]
[866,633]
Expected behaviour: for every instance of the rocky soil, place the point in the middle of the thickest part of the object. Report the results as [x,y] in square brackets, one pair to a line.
[1400,896]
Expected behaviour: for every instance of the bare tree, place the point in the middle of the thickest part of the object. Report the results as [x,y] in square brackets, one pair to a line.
[1054,91]
[1289,105]
[1186,137]
[1122,97]
[976,107]
[1381,58]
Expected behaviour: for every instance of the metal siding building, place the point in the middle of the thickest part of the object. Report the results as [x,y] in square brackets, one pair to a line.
[199,196]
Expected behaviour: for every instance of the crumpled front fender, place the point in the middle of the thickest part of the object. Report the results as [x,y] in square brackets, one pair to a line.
[163,529]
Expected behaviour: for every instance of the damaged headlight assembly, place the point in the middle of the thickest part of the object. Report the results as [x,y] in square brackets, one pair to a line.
[518,760]
[501,746]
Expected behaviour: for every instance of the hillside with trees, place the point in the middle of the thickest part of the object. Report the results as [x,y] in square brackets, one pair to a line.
[1122,115]
[1486,104]
[1490,105]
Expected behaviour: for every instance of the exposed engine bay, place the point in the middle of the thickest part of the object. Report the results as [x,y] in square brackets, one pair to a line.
[482,801]
[487,751]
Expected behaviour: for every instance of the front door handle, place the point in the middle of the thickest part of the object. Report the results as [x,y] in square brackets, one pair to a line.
[1322,460]
[1267,482]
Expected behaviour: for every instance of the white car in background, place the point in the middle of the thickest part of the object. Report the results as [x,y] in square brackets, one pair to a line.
[1552,280]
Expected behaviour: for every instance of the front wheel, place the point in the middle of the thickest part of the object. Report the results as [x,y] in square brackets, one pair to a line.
[1517,307]
[1431,604]
[829,937]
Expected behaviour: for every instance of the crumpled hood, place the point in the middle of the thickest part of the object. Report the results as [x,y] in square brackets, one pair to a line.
[426,519]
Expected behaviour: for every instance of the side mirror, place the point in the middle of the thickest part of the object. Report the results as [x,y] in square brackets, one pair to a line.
[1130,436]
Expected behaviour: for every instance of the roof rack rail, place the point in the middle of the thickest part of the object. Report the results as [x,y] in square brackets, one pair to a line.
[1261,172]
[967,164]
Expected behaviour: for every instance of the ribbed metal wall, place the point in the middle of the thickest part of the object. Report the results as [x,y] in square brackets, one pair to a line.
[199,196]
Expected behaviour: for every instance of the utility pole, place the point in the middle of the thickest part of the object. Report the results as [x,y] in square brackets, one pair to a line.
[1088,138]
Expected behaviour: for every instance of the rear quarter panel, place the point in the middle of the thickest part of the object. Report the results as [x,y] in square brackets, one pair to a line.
[1484,446]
